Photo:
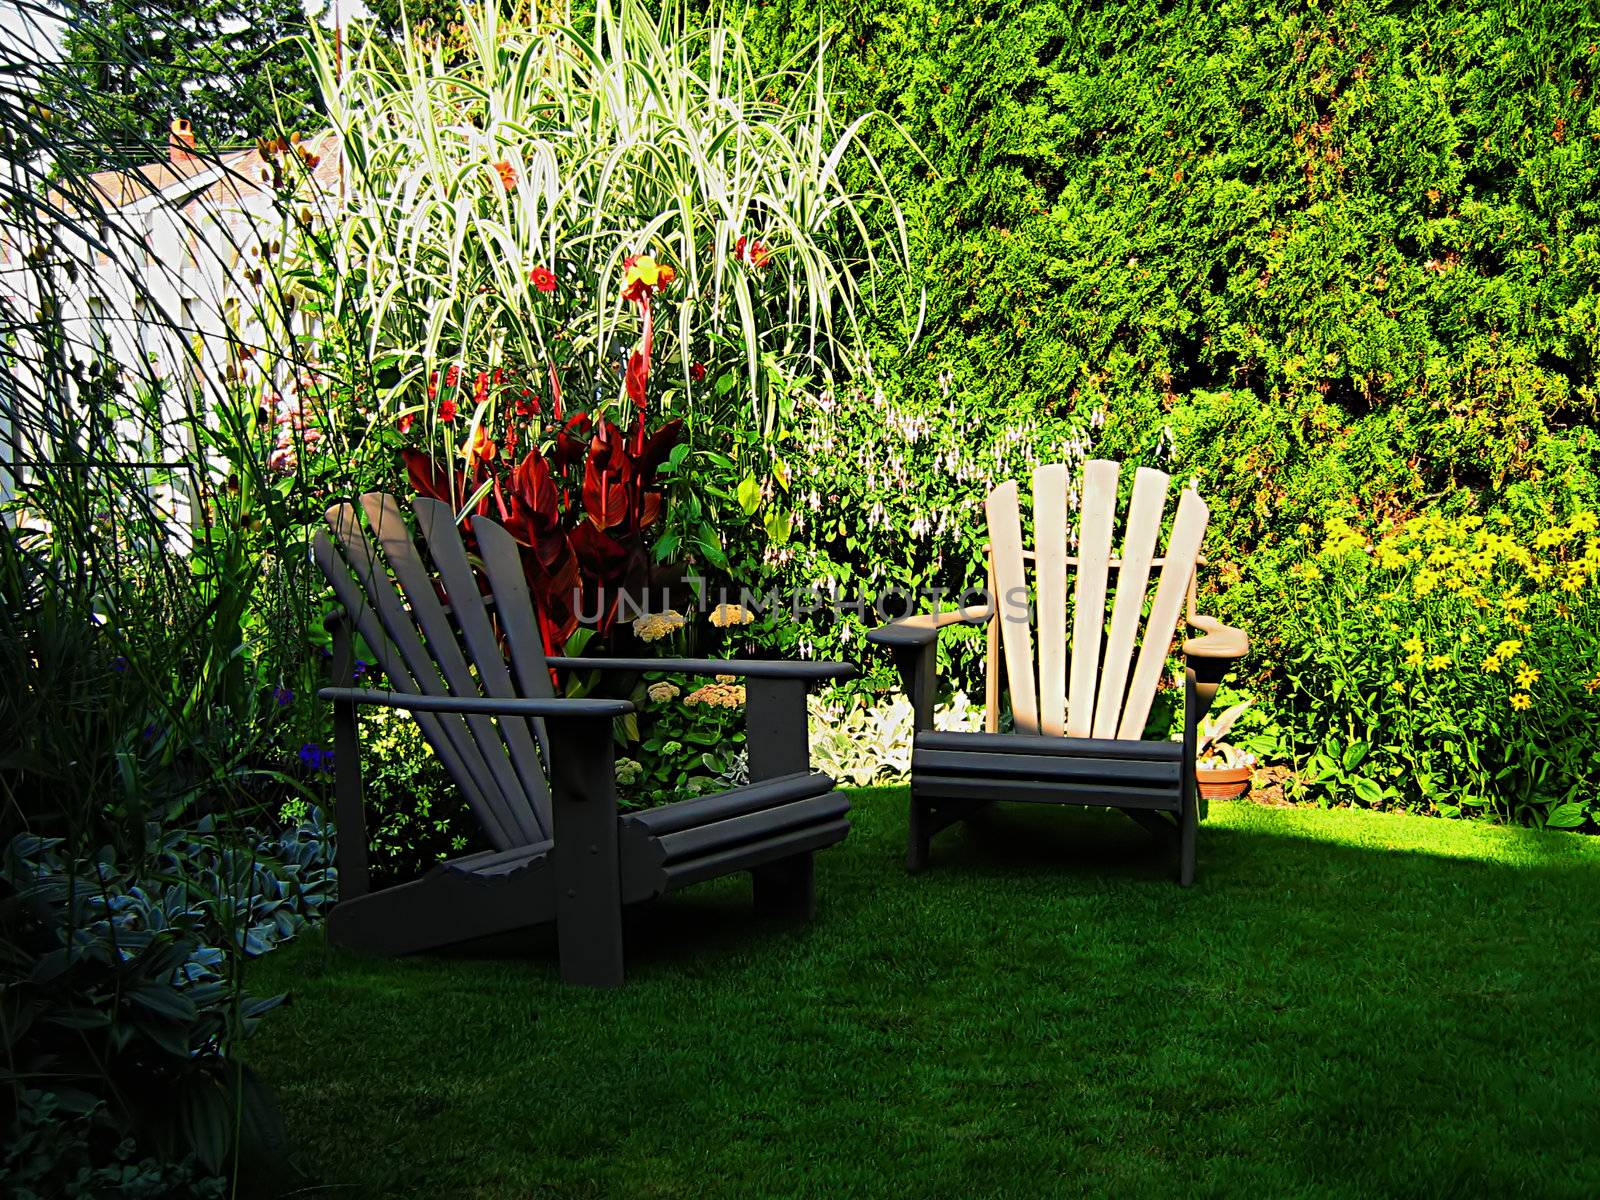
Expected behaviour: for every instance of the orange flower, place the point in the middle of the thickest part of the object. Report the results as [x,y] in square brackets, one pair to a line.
[642,276]
[543,279]
[483,449]
[508,175]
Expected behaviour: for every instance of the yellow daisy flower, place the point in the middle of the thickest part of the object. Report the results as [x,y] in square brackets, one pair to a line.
[1526,675]
[1521,701]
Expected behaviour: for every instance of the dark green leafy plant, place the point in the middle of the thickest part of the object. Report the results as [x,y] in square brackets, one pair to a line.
[690,739]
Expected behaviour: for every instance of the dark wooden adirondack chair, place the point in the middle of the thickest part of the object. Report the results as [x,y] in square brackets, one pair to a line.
[537,770]
[1078,731]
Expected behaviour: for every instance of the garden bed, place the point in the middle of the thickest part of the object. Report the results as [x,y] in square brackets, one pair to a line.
[1350,1003]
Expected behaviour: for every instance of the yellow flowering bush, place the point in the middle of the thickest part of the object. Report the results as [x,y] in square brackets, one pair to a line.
[1451,665]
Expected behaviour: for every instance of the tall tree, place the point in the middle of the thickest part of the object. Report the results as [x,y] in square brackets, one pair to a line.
[130,66]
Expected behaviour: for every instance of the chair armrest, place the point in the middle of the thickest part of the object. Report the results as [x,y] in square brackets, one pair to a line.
[923,628]
[1207,659]
[749,668]
[1217,641]
[480,705]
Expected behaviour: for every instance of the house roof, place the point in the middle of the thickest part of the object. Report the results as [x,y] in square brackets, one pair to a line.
[233,178]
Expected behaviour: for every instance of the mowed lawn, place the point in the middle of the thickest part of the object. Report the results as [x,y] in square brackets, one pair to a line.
[1347,1004]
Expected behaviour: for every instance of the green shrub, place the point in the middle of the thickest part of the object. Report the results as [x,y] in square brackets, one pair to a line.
[416,815]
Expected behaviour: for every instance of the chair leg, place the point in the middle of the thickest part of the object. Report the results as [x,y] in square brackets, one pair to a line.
[918,836]
[1188,830]
[788,887]
[585,858]
[589,938]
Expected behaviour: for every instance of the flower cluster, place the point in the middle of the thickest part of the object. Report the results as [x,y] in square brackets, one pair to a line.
[652,627]
[294,431]
[718,694]
[726,616]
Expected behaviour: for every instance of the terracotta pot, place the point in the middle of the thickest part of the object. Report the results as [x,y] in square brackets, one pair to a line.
[1223,783]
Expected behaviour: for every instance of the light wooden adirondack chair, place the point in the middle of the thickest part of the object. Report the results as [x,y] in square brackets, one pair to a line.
[537,770]
[1079,718]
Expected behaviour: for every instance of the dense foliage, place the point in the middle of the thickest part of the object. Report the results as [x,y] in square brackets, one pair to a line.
[1326,259]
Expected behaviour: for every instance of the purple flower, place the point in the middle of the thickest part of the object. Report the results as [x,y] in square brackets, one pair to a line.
[283,696]
[311,756]
[361,667]
[119,663]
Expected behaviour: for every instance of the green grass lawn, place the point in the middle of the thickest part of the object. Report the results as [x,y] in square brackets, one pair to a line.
[1347,1004]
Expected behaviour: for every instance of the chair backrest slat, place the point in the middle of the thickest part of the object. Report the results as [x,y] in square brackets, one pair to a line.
[1138,551]
[1183,548]
[1094,694]
[1012,602]
[438,525]
[445,732]
[389,525]
[502,562]
[1089,592]
[1050,579]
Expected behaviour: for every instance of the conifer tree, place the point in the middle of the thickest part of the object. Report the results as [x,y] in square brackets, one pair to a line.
[131,66]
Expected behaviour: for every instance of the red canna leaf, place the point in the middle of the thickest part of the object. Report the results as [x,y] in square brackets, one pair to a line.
[427,479]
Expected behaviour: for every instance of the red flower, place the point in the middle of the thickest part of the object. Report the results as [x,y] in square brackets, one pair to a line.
[528,408]
[480,388]
[433,384]
[452,376]
[511,440]
[697,372]
[447,410]
[543,279]
[638,375]
[757,254]
[404,423]
[508,175]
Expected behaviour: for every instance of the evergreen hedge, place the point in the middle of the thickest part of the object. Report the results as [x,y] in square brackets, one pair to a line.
[1343,255]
